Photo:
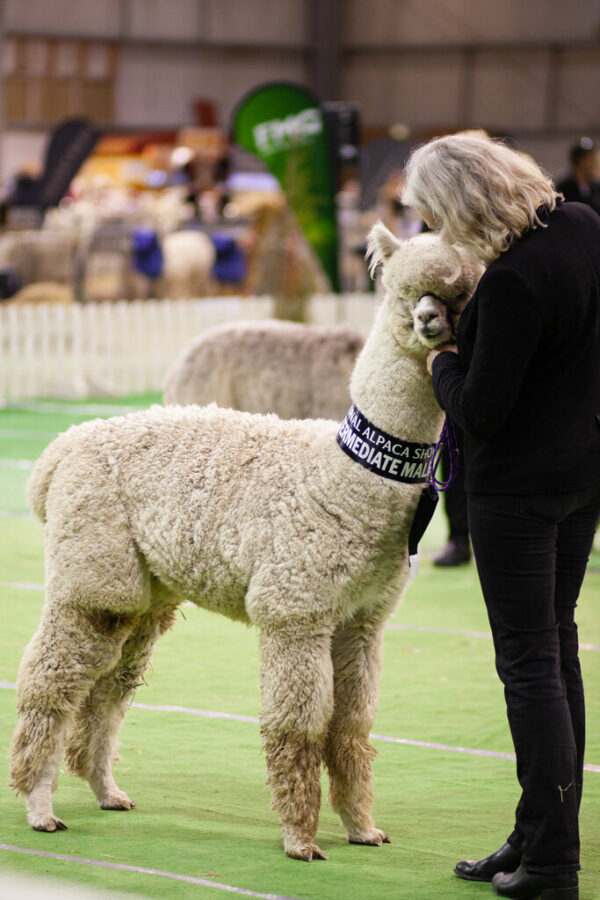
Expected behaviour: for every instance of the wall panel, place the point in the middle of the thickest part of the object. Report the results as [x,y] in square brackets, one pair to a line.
[172,20]
[510,90]
[578,102]
[410,88]
[257,22]
[466,21]
[158,89]
[66,17]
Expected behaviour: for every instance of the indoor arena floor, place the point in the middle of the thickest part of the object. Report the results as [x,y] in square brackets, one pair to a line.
[445,784]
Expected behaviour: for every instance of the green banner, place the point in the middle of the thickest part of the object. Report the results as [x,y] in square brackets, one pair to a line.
[283,124]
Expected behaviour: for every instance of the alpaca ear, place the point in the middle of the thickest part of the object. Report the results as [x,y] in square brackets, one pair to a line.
[381,243]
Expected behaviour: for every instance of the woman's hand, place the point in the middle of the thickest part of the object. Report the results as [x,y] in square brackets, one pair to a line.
[443,348]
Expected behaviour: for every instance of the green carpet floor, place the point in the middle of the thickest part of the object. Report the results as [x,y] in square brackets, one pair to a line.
[203,808]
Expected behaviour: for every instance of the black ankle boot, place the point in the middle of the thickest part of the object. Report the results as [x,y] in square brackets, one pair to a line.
[520,885]
[506,859]
[455,553]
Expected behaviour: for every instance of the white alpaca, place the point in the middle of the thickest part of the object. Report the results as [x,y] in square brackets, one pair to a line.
[267,521]
[188,258]
[295,371]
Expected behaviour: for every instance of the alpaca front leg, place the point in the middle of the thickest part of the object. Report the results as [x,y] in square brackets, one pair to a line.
[296,683]
[356,653]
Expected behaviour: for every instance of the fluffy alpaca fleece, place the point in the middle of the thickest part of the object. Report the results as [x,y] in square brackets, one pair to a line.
[264,520]
[295,371]
[188,258]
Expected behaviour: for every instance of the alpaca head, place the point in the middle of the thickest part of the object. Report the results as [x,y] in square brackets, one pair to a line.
[427,284]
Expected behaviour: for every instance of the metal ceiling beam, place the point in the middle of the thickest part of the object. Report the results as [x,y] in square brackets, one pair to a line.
[447,47]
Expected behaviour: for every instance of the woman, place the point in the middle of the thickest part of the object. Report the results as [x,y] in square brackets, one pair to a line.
[524,385]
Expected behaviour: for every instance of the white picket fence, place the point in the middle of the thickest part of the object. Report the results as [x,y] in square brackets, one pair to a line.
[127,347]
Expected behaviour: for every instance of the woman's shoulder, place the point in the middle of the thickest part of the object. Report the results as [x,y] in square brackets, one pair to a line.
[556,232]
[506,273]
[569,221]
[572,211]
[575,208]
[547,262]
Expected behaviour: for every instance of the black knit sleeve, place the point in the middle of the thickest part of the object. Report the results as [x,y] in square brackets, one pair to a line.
[480,395]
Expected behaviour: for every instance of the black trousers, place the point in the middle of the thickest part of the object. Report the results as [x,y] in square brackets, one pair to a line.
[531,554]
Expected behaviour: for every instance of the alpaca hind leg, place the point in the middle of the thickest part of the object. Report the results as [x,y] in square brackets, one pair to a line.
[296,682]
[91,745]
[356,653]
[60,664]
[40,813]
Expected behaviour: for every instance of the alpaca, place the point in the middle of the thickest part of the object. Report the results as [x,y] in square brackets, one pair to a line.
[295,371]
[268,521]
[188,258]
[43,292]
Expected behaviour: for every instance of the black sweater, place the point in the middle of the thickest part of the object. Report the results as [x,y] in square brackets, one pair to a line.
[525,387]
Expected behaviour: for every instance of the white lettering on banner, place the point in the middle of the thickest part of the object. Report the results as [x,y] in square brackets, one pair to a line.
[382,453]
[279,134]
[354,420]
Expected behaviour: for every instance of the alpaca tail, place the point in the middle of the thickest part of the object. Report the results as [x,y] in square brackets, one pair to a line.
[40,479]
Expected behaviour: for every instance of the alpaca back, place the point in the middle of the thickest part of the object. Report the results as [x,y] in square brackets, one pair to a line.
[295,371]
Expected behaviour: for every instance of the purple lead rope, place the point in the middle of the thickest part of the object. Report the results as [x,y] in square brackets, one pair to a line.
[447,440]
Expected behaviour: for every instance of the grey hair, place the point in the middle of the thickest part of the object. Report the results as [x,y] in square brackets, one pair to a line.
[477,191]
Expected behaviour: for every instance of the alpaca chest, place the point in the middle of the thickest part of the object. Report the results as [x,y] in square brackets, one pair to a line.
[377,584]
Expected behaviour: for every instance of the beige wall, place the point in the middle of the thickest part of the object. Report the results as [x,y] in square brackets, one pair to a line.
[431,64]
[462,21]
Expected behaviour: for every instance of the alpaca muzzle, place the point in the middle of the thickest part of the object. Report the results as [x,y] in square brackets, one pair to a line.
[432,321]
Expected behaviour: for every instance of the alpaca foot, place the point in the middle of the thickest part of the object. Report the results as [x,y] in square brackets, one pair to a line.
[116,800]
[38,802]
[374,837]
[46,823]
[306,852]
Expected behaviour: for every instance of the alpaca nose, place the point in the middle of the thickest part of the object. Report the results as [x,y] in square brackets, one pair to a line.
[427,309]
[430,318]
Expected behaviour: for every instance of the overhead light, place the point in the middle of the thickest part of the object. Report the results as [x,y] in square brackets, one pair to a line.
[399,131]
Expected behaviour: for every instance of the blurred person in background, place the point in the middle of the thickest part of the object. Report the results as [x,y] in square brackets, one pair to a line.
[582,184]
[523,383]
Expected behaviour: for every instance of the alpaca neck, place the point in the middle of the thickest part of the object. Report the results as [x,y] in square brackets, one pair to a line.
[393,389]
